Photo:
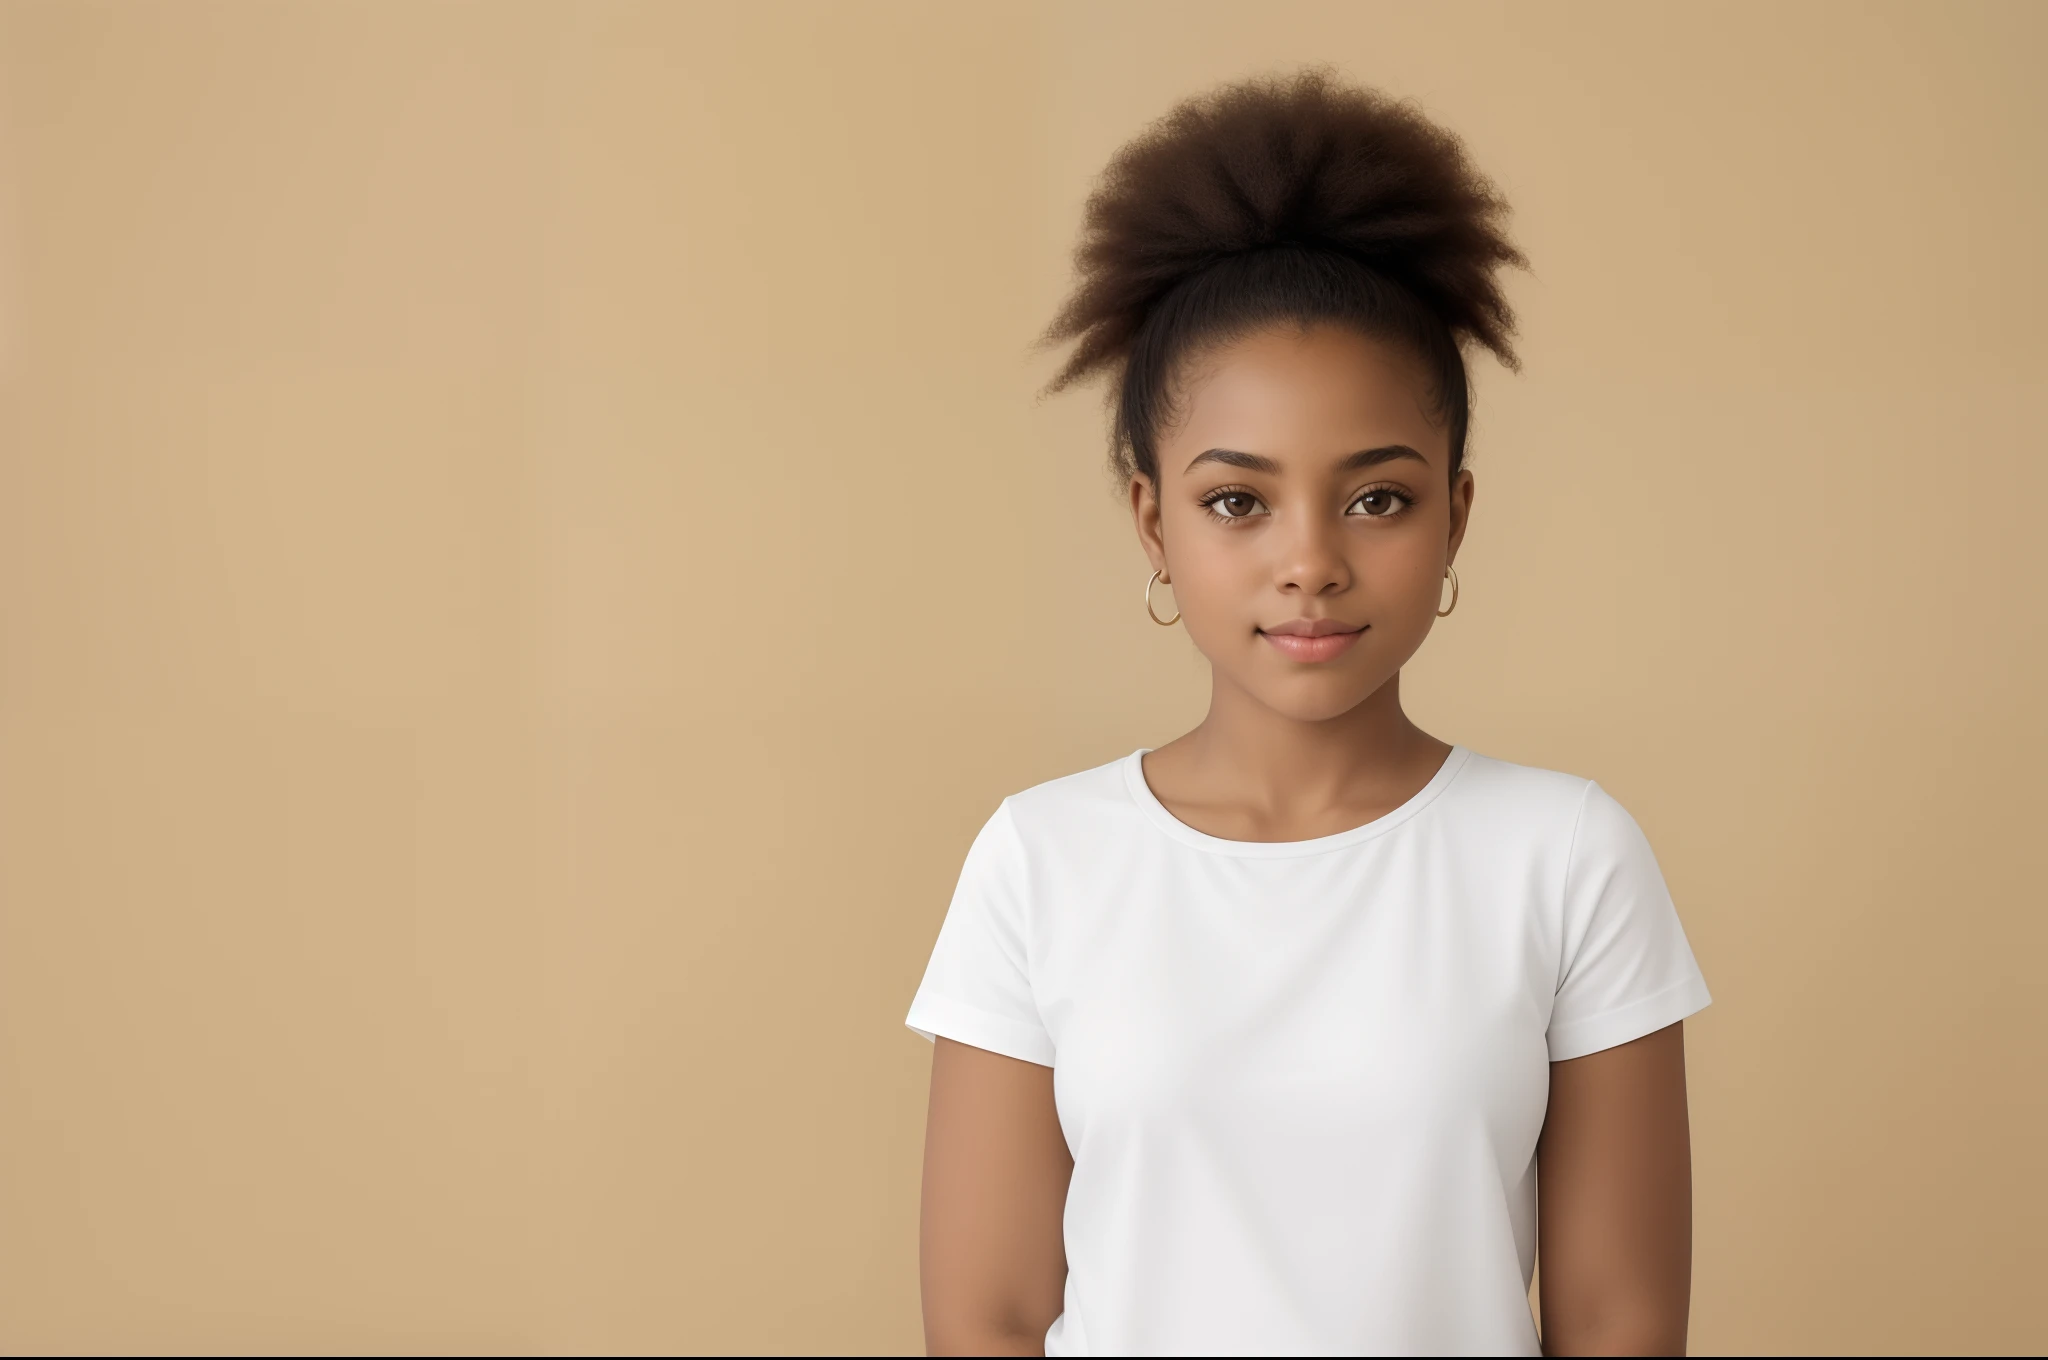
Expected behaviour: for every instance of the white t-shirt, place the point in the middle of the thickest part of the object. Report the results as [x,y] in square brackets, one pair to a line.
[1302,1081]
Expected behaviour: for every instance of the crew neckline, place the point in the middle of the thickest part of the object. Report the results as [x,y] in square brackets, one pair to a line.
[1156,813]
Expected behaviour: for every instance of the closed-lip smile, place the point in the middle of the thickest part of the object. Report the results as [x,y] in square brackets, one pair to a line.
[1313,639]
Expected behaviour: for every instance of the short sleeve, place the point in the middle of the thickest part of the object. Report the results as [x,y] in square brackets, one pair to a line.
[1625,969]
[977,986]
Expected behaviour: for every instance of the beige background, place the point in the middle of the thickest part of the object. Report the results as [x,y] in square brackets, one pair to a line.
[527,548]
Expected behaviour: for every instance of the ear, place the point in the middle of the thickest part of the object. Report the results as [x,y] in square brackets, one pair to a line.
[1145,515]
[1461,510]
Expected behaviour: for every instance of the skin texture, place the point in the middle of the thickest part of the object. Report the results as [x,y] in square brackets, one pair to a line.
[996,1167]
[1614,1196]
[1308,478]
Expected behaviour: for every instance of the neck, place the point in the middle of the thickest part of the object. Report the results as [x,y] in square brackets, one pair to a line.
[1277,761]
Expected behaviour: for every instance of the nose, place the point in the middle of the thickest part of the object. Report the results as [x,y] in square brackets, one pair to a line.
[1311,559]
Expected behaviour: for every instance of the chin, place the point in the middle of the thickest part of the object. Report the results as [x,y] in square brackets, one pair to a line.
[1317,699]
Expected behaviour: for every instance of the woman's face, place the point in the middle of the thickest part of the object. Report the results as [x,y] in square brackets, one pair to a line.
[1304,514]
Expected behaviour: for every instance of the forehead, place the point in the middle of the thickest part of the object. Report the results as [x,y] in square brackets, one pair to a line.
[1284,392]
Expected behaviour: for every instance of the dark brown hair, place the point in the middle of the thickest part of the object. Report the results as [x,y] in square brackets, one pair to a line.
[1281,199]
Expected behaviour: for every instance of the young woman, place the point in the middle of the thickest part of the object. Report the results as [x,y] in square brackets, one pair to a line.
[1303,1033]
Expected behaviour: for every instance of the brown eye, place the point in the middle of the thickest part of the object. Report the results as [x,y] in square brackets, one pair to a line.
[1380,503]
[1233,504]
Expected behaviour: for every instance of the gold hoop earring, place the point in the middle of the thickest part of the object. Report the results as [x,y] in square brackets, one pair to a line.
[1452,573]
[1163,623]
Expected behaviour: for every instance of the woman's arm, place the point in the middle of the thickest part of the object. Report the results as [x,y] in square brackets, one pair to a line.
[996,1167]
[1614,1201]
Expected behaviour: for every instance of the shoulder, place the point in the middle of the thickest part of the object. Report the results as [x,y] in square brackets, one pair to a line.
[1061,830]
[1057,810]
[1566,820]
[1531,806]
[1505,797]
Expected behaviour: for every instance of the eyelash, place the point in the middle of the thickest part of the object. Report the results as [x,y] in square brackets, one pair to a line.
[1222,493]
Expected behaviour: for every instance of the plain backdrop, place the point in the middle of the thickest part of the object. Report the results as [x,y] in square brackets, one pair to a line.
[528,546]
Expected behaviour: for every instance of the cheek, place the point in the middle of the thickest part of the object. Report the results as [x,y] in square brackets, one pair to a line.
[1216,569]
[1208,561]
[1218,585]
[1403,570]
[1215,594]
[1402,564]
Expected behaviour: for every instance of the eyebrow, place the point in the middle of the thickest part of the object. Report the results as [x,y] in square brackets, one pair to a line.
[1254,462]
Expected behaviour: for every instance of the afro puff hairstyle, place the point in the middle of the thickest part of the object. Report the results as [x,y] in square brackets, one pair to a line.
[1282,199]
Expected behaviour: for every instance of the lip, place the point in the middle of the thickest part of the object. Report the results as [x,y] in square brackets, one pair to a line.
[1312,639]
